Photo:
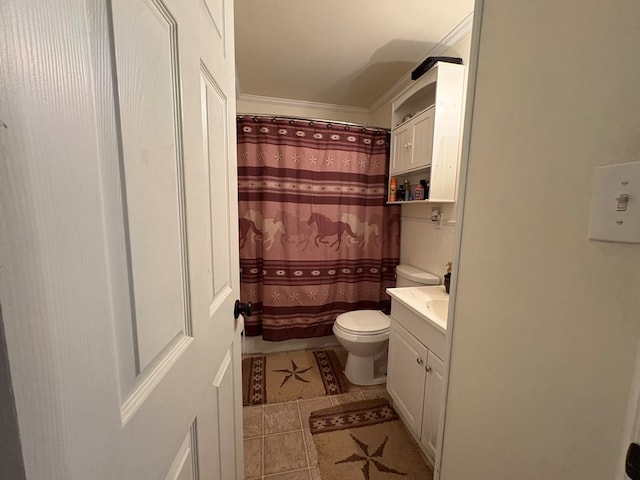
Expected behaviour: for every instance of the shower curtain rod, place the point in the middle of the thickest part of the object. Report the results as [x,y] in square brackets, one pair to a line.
[319,120]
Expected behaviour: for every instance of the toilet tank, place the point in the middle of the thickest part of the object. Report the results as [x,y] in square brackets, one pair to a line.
[410,276]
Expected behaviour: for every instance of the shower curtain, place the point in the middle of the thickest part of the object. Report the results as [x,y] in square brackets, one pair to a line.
[316,238]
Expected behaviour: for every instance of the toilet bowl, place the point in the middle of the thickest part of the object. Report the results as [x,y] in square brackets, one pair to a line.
[364,334]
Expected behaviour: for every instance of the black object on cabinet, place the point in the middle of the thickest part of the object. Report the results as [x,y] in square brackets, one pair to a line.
[632,462]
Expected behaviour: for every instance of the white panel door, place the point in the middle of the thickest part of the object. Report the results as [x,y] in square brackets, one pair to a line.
[118,237]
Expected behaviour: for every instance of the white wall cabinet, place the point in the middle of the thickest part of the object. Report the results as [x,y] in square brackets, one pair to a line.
[415,376]
[412,143]
[426,119]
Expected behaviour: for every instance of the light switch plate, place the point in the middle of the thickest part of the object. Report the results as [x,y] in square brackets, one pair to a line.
[607,223]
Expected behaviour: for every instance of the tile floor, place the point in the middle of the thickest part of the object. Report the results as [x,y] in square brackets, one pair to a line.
[277,441]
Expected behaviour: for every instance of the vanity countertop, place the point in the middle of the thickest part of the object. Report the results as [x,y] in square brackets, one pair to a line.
[429,303]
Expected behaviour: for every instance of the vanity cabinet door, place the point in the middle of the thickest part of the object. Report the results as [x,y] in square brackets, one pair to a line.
[433,397]
[406,376]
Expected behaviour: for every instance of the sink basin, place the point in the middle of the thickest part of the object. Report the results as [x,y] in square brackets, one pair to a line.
[430,303]
[438,308]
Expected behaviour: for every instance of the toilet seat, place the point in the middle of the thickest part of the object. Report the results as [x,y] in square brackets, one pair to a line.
[363,322]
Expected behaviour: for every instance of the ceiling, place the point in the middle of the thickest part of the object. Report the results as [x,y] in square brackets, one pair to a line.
[342,52]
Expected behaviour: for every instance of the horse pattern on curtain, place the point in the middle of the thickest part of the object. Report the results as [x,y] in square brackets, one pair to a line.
[316,238]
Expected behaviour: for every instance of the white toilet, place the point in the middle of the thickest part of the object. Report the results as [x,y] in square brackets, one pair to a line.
[365,333]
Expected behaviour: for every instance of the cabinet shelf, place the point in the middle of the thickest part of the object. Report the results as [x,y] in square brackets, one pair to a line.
[413,115]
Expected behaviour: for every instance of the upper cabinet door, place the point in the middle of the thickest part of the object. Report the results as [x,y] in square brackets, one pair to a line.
[422,127]
[402,147]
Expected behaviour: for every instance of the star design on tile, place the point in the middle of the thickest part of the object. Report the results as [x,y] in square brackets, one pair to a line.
[293,373]
[370,458]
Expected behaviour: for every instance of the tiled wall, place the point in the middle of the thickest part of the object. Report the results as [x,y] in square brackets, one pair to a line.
[423,243]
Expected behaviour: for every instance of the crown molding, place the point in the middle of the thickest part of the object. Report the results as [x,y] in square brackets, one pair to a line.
[448,41]
[302,104]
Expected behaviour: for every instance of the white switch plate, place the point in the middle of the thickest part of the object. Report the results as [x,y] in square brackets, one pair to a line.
[607,224]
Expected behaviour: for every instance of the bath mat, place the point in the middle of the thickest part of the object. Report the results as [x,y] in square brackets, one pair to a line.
[286,376]
[365,440]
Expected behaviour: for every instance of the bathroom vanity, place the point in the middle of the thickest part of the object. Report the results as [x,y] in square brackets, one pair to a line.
[415,369]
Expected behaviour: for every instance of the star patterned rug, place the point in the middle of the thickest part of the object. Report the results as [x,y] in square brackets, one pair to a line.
[286,376]
[365,440]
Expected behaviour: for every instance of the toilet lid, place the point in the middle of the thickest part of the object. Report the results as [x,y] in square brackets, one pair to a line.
[364,322]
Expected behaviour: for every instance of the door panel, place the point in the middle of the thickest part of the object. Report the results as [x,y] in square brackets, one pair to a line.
[148,83]
[215,134]
[224,388]
[215,12]
[185,464]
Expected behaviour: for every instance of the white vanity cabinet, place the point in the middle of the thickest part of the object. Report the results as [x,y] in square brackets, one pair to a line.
[426,122]
[415,374]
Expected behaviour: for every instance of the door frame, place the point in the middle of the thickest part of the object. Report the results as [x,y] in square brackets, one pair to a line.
[460,204]
[631,432]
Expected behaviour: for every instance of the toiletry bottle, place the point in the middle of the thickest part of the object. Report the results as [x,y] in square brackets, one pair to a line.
[427,184]
[447,277]
[407,190]
[418,193]
[425,191]
[393,189]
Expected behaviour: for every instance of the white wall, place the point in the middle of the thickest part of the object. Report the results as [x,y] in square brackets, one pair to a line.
[380,115]
[546,321]
[426,245]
